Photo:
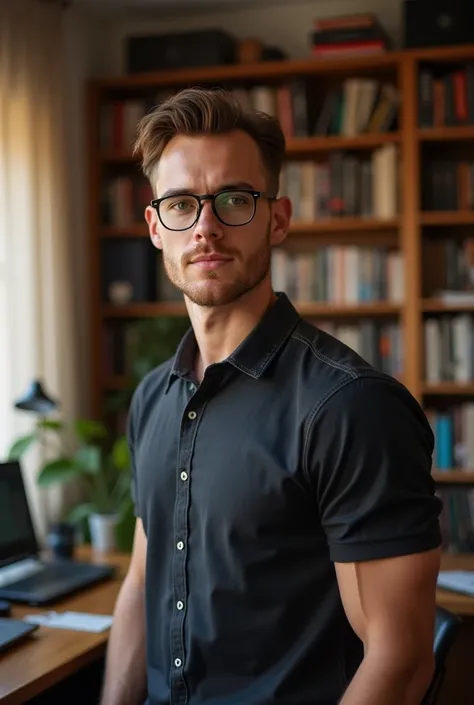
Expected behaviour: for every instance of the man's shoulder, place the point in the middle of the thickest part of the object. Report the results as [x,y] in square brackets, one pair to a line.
[323,357]
[326,368]
[151,386]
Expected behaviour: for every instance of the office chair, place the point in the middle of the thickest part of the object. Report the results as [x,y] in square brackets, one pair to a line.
[446,627]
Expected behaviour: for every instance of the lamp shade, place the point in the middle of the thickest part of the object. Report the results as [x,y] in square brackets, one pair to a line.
[36,400]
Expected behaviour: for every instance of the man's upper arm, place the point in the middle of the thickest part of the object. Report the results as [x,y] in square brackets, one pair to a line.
[368,458]
[137,568]
[391,605]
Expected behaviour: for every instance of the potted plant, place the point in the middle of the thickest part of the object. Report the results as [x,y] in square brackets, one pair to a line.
[100,464]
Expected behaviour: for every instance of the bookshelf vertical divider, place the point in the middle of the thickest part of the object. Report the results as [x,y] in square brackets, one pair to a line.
[94,191]
[410,235]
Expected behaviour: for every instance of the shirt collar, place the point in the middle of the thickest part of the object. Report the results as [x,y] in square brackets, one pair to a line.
[255,352]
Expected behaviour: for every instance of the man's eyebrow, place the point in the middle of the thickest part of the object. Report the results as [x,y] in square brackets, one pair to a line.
[223,187]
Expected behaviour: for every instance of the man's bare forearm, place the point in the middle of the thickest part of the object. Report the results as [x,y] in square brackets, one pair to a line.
[125,671]
[380,681]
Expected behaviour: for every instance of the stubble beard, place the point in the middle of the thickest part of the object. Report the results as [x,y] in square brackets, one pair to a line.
[257,267]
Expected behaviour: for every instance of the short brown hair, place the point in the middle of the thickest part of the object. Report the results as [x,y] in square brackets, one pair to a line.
[200,111]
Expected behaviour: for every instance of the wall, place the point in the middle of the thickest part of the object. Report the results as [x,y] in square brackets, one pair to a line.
[287,26]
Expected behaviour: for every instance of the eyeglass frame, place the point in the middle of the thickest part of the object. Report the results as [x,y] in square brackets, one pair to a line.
[155,203]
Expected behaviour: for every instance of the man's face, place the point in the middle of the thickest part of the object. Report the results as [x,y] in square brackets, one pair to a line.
[211,263]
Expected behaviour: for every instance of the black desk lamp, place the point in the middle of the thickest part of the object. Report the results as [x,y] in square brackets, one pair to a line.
[35,399]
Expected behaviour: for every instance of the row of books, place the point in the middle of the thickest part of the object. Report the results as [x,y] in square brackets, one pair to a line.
[453,429]
[449,270]
[449,348]
[119,119]
[345,185]
[380,344]
[447,185]
[457,520]
[340,274]
[356,106]
[124,199]
[446,97]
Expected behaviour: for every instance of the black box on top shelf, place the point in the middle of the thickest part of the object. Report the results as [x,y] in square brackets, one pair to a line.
[431,23]
[129,270]
[207,47]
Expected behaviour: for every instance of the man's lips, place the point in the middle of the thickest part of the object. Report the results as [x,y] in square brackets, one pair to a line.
[213,261]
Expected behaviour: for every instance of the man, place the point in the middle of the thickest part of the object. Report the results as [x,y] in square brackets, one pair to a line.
[287,537]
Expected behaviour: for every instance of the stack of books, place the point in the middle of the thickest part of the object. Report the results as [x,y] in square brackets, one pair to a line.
[350,35]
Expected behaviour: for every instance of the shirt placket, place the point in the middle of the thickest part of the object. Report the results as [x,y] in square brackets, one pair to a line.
[189,426]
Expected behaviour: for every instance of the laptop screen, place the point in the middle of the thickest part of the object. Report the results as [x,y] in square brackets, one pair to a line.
[17,536]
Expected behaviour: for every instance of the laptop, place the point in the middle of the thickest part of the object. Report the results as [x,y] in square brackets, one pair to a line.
[24,575]
[13,631]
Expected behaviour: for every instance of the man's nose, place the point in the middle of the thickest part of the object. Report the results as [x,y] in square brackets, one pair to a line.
[208,225]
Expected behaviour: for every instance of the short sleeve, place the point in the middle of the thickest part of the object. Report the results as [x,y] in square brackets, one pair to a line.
[368,457]
[131,448]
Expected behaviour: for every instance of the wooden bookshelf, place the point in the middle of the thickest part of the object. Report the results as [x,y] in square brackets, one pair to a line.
[454,477]
[459,133]
[439,306]
[407,231]
[448,389]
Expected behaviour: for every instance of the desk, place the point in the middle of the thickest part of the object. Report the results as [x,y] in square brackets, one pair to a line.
[52,655]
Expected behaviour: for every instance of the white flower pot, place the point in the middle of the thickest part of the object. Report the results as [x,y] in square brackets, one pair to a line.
[102,528]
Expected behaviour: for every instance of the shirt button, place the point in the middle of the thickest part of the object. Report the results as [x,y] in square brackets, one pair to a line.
[192,387]
[180,545]
[177,662]
[184,476]
[192,415]
[179,605]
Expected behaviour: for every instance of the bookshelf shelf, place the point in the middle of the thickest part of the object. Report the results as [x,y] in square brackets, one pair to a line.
[145,310]
[297,146]
[322,227]
[454,477]
[264,71]
[308,309]
[307,145]
[447,218]
[440,306]
[345,225]
[448,389]
[446,134]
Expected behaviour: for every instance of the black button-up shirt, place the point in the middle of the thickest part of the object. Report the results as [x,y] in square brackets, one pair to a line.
[291,454]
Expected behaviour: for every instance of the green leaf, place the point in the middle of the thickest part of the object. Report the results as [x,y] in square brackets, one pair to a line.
[58,471]
[88,431]
[89,459]
[20,446]
[81,512]
[120,454]
[50,425]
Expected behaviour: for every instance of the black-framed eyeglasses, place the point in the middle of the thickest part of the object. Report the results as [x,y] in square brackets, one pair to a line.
[233,207]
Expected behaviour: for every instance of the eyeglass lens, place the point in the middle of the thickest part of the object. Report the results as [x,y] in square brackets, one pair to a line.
[232,208]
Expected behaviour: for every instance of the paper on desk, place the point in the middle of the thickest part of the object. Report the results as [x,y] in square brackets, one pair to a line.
[79,621]
[457,580]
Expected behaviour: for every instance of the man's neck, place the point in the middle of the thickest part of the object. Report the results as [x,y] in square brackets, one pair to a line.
[221,329]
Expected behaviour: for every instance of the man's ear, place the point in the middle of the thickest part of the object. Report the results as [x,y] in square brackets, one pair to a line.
[281,217]
[151,217]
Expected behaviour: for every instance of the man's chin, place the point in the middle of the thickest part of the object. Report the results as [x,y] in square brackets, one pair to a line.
[212,293]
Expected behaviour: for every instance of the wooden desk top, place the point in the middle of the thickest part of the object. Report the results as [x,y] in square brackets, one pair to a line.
[51,655]
[460,604]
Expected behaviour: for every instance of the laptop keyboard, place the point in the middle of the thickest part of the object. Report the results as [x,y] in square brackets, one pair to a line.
[17,571]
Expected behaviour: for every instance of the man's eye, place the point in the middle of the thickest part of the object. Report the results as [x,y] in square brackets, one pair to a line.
[180,206]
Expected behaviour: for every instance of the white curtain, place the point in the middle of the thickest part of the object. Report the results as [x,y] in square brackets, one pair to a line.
[38,304]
